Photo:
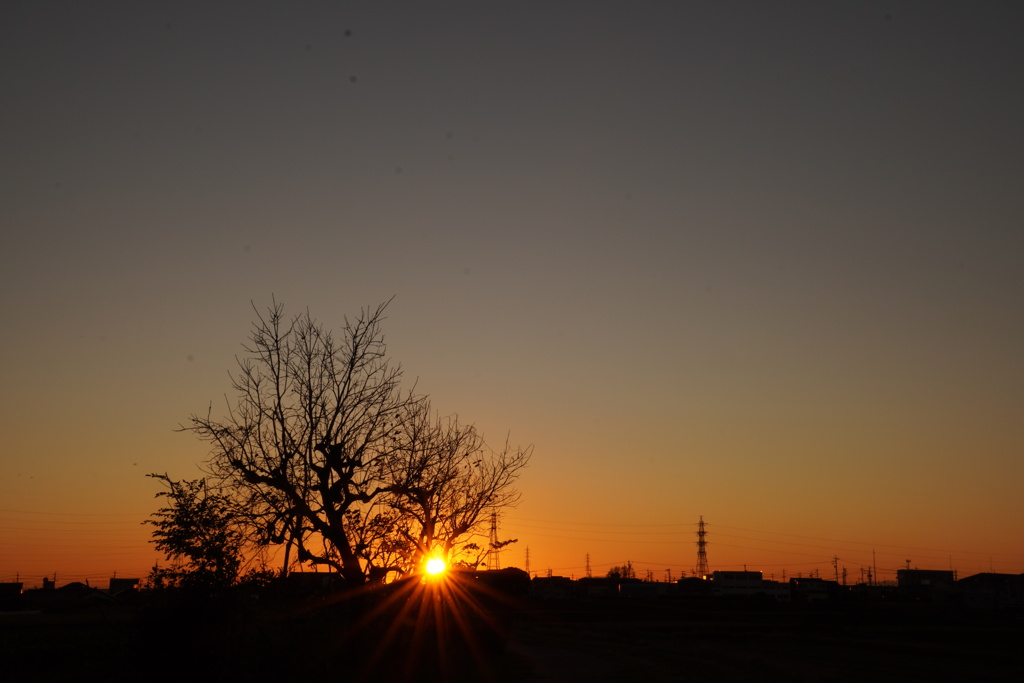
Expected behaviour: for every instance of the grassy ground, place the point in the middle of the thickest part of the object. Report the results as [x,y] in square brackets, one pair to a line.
[681,641]
[611,640]
[282,641]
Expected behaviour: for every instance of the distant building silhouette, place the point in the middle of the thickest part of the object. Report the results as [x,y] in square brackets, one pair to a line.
[736,584]
[812,589]
[11,589]
[553,587]
[989,590]
[119,586]
[926,584]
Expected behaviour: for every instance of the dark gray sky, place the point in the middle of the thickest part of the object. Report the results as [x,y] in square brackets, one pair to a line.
[757,261]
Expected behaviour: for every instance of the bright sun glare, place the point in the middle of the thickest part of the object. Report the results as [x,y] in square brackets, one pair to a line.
[435,566]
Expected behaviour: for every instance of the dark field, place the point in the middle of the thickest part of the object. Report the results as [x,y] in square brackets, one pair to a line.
[610,640]
[684,641]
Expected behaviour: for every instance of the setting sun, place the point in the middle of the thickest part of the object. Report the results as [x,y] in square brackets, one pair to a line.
[436,566]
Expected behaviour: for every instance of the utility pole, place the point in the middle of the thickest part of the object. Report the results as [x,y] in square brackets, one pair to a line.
[835,565]
[527,560]
[589,575]
[702,552]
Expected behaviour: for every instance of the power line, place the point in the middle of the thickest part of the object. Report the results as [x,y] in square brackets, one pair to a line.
[141,515]
[560,529]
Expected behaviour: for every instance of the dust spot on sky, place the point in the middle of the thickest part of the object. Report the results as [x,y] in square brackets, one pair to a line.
[247,248]
[353,79]
[191,358]
[348,34]
[398,170]
[309,48]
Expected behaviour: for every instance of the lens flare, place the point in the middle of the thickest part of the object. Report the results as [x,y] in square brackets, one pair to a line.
[436,566]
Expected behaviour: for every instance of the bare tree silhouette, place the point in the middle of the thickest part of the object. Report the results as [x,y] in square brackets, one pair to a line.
[329,456]
[444,482]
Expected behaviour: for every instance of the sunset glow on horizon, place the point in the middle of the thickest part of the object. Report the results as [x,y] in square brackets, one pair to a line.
[759,264]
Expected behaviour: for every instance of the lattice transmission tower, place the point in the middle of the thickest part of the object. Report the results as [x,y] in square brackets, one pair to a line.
[702,549]
[492,552]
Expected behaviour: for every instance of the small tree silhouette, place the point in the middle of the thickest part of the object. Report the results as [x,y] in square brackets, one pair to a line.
[624,571]
[199,532]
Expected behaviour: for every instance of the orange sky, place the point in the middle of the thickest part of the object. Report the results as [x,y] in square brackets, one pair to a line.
[761,264]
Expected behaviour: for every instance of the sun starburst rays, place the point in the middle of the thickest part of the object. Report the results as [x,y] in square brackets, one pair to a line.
[430,625]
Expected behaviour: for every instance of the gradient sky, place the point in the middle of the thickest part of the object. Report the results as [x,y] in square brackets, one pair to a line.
[760,262]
